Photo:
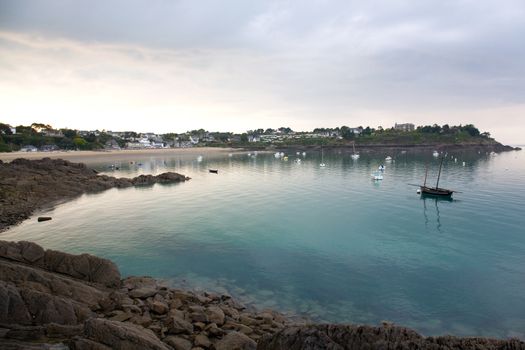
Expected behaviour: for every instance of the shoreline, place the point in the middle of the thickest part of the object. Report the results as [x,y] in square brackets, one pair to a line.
[89,157]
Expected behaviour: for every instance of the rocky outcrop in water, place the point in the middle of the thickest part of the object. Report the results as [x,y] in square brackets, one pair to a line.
[28,185]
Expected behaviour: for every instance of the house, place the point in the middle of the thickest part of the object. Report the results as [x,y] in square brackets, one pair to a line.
[194,139]
[254,138]
[28,148]
[404,127]
[49,148]
[183,144]
[112,144]
[52,133]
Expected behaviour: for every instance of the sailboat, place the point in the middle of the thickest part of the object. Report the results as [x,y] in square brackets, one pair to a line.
[435,191]
[354,155]
[322,165]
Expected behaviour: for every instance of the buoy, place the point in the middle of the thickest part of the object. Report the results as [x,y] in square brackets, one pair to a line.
[44,218]
[464,164]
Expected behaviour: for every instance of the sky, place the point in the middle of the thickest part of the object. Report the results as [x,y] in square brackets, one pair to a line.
[235,65]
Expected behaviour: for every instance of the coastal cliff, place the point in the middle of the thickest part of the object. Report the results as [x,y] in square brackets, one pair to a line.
[54,300]
[29,185]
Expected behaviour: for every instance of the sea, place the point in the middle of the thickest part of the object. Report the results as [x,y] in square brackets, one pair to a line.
[328,244]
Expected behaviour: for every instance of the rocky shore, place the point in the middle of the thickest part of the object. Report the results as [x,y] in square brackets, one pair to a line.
[29,185]
[54,300]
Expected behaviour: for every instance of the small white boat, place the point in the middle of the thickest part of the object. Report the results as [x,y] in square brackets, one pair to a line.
[298,161]
[230,155]
[297,152]
[249,154]
[377,176]
[354,155]
[281,154]
[435,154]
[304,154]
[388,159]
[199,159]
[381,168]
[277,155]
[285,158]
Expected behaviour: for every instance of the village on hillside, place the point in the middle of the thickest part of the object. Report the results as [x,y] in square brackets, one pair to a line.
[43,137]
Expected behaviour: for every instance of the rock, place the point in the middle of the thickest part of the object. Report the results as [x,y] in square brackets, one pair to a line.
[159,308]
[47,308]
[135,282]
[121,316]
[143,293]
[178,325]
[85,267]
[178,343]
[215,315]
[199,326]
[122,336]
[236,341]
[54,330]
[25,332]
[342,337]
[247,320]
[202,340]
[86,344]
[230,311]
[199,316]
[213,330]
[21,345]
[12,307]
[238,327]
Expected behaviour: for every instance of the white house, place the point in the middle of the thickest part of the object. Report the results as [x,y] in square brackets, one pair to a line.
[28,148]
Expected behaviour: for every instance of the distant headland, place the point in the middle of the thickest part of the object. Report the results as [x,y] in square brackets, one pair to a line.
[43,137]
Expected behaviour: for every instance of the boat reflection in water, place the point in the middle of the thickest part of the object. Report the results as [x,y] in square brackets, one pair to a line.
[429,201]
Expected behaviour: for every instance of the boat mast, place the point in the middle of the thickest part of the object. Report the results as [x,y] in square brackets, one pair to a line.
[426,173]
[439,174]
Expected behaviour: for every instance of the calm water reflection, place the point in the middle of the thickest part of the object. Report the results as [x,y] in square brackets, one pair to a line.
[329,242]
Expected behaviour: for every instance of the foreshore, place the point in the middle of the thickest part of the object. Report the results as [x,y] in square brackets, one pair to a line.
[55,300]
[89,157]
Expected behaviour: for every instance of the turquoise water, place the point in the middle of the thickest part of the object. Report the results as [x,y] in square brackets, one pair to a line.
[327,243]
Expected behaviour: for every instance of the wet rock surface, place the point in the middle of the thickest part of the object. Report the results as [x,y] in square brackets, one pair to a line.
[45,305]
[28,185]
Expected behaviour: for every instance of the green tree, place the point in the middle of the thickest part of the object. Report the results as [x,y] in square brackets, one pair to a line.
[79,142]
[5,129]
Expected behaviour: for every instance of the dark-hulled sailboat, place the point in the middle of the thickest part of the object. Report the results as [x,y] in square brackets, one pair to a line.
[435,191]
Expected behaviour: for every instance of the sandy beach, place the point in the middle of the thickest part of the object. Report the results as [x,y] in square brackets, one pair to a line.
[101,156]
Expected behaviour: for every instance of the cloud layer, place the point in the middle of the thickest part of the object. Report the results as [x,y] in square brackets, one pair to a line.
[173,65]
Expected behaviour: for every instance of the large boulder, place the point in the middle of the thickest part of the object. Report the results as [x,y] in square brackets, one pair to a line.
[236,341]
[122,336]
[84,266]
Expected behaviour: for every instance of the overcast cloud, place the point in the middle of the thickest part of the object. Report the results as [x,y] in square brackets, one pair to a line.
[155,65]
